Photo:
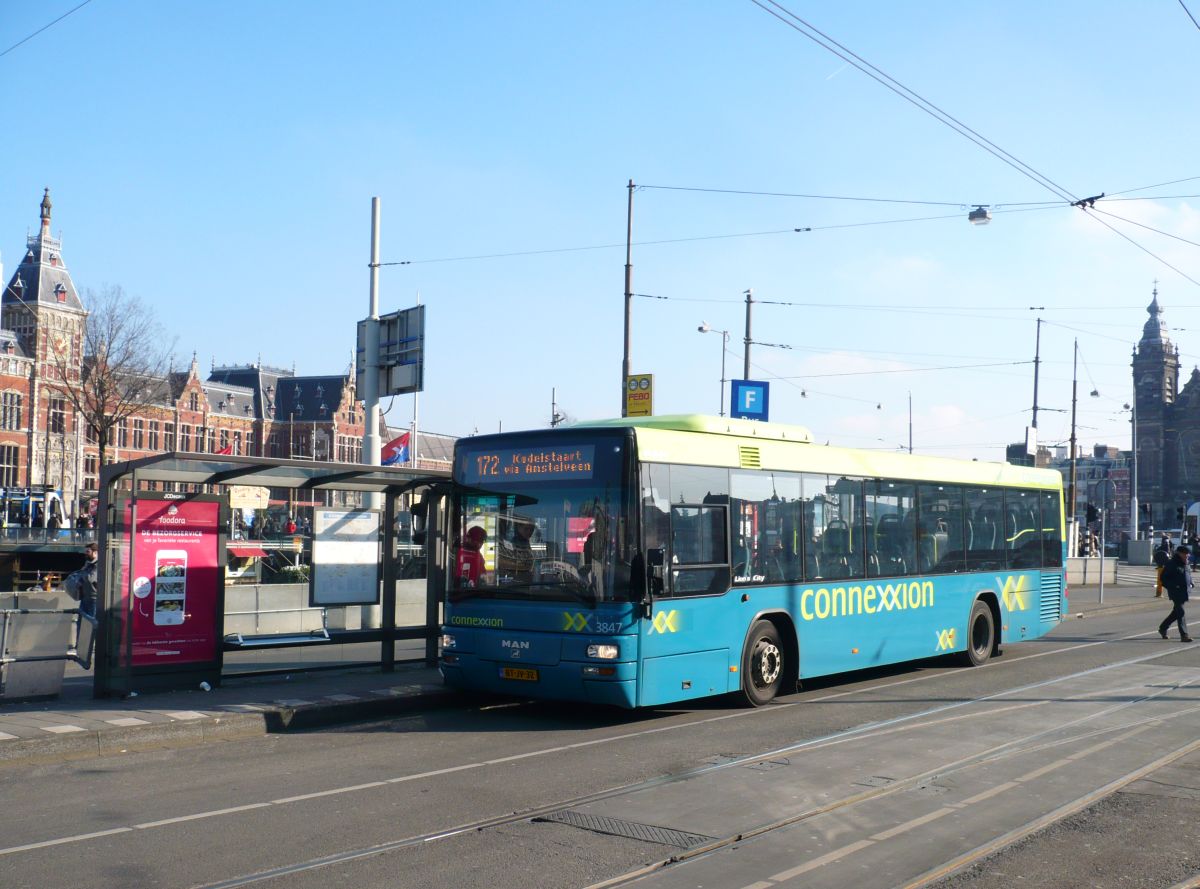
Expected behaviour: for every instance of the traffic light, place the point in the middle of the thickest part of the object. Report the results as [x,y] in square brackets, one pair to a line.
[1179,514]
[1092,514]
[1145,508]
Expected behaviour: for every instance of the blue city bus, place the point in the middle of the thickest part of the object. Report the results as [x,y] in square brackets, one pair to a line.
[640,562]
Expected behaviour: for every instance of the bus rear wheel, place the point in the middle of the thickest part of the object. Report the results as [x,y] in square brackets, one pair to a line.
[762,664]
[981,635]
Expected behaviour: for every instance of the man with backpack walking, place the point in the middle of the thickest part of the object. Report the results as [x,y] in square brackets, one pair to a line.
[1177,578]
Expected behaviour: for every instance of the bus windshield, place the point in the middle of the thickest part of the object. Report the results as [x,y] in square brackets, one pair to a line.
[542,517]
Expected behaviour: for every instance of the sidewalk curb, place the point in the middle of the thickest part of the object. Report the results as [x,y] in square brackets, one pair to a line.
[1111,609]
[319,715]
[221,726]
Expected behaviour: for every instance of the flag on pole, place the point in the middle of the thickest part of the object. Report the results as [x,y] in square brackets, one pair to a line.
[395,451]
[228,449]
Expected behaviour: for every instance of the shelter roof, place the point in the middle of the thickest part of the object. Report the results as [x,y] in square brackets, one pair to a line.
[207,469]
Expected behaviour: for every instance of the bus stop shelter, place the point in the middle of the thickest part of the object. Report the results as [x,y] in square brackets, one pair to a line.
[145,570]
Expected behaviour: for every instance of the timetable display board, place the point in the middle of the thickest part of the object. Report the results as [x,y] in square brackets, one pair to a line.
[345,558]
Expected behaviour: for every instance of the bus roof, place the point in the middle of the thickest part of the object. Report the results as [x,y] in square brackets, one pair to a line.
[749,444]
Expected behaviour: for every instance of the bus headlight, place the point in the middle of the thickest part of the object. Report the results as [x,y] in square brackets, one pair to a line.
[448,641]
[603,652]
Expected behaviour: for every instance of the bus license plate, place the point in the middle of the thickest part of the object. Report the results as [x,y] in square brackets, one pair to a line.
[523,673]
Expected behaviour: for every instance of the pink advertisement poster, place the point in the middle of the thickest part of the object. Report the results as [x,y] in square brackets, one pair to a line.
[176,581]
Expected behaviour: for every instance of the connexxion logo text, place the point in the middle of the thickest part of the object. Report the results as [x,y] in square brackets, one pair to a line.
[460,621]
[843,601]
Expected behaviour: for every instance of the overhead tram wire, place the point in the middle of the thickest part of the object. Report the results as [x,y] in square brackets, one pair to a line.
[1144,249]
[827,43]
[902,370]
[1189,14]
[1005,207]
[769,232]
[45,27]
[815,197]
[1147,227]
[1156,185]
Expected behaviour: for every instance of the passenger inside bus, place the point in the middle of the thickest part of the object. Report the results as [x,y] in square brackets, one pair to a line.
[469,565]
[515,554]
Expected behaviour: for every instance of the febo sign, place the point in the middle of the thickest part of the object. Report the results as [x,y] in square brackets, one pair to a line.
[750,399]
[639,395]
[176,581]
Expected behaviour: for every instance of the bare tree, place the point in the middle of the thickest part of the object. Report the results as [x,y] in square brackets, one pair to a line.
[118,366]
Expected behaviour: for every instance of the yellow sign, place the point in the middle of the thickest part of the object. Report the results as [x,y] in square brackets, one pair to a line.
[945,640]
[1014,592]
[248,497]
[639,395]
[574,623]
[666,622]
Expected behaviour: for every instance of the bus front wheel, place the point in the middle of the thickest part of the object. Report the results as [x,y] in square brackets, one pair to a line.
[981,635]
[762,664]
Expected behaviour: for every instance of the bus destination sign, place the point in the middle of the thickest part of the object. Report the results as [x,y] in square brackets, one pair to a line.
[532,464]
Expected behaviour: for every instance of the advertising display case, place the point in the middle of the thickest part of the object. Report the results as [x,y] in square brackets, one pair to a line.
[169,566]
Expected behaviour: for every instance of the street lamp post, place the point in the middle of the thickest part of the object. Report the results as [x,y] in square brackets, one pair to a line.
[705,327]
[1074,393]
[1133,480]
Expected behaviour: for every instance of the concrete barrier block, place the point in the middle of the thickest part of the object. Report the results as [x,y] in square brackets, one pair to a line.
[240,623]
[241,598]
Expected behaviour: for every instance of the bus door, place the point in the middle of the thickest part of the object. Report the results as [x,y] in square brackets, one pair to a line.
[684,649]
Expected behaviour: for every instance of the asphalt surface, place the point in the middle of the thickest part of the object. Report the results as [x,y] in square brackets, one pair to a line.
[77,725]
[401,762]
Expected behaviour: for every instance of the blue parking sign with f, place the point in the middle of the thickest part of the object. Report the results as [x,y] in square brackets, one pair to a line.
[750,399]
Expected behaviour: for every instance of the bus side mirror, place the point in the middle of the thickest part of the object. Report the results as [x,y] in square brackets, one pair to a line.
[656,560]
[419,511]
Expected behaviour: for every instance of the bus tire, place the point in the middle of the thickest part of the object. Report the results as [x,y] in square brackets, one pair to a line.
[981,635]
[763,666]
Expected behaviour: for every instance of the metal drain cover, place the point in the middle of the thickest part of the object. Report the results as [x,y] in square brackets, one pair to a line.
[647,833]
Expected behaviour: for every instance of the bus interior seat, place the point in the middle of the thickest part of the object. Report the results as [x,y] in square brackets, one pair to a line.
[836,549]
[893,555]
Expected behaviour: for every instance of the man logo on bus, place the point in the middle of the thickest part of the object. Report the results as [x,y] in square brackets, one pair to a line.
[1013,590]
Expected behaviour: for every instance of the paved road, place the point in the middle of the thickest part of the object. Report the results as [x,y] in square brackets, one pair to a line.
[890,778]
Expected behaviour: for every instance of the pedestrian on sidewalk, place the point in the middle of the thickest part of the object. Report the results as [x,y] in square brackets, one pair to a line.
[1162,555]
[82,585]
[1177,578]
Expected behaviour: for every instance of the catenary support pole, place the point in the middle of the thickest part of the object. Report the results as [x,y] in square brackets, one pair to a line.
[625,371]
[749,303]
[370,394]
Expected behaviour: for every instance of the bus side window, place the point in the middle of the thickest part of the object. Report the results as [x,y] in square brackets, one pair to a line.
[1023,534]
[985,551]
[764,526]
[699,561]
[1051,524]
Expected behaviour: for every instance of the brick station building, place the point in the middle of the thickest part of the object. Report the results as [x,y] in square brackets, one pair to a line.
[250,409]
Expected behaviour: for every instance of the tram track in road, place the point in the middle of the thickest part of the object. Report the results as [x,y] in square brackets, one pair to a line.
[1010,749]
[929,717]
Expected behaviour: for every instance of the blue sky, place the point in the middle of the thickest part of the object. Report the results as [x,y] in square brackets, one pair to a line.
[218,160]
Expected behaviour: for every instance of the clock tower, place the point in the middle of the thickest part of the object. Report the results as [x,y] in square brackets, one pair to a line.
[1156,387]
[41,306]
